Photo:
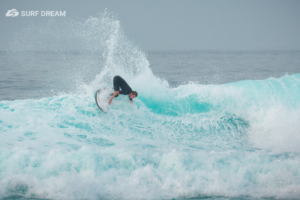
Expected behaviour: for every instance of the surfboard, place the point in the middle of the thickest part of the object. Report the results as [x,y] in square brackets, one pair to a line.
[102,97]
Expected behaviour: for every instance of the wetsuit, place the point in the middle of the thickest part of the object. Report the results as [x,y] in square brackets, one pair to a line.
[119,82]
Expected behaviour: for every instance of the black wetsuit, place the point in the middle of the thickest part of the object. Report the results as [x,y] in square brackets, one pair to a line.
[119,82]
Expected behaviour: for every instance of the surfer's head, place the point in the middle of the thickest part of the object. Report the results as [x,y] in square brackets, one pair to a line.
[133,94]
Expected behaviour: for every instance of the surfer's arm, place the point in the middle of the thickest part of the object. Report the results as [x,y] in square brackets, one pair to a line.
[130,99]
[113,96]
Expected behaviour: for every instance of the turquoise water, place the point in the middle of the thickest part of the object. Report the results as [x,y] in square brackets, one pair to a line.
[232,140]
[235,140]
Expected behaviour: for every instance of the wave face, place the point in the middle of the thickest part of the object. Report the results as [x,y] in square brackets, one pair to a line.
[233,140]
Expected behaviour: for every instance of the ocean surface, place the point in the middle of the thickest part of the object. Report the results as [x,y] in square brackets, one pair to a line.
[205,124]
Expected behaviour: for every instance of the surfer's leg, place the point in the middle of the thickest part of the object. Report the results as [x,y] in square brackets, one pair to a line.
[116,82]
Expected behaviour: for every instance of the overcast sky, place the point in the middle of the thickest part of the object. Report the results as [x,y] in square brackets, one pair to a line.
[179,24]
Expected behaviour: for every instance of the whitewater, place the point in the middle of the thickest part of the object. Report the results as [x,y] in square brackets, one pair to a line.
[191,140]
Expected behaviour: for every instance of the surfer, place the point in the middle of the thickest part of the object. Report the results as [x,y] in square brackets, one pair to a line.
[119,82]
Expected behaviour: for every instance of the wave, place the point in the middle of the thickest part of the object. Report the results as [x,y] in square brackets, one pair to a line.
[232,140]
[197,140]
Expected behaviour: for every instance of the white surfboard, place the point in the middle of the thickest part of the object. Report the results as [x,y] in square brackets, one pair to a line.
[102,97]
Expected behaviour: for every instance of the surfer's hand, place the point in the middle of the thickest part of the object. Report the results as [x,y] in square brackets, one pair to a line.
[113,96]
[131,101]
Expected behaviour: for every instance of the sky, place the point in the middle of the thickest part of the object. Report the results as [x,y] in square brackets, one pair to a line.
[159,25]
